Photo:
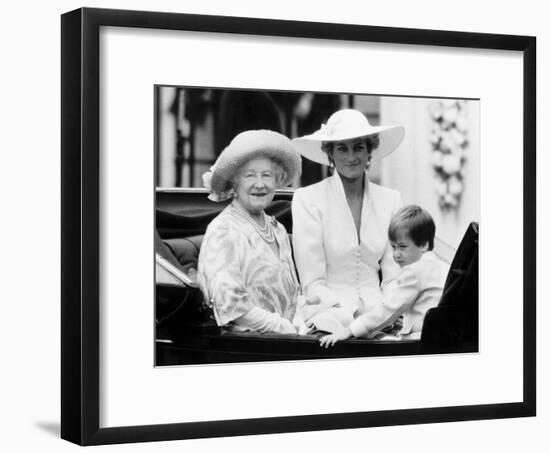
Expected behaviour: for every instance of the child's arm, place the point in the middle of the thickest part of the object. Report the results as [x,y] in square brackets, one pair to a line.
[333,338]
[393,305]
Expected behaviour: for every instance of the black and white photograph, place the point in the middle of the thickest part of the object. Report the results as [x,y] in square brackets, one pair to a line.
[314,225]
[274,226]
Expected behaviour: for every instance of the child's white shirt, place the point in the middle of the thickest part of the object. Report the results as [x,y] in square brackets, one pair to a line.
[417,288]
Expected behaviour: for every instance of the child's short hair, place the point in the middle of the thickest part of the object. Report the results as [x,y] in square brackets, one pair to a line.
[418,223]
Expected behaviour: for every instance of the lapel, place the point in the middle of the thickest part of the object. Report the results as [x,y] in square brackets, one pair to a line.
[365,210]
[342,210]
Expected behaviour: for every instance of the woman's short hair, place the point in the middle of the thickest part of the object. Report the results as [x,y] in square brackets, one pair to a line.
[371,142]
[280,173]
[418,224]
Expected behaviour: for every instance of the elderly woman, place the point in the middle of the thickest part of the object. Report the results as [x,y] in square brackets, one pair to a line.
[245,267]
[340,224]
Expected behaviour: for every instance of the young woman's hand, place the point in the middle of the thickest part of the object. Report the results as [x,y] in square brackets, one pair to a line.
[311,306]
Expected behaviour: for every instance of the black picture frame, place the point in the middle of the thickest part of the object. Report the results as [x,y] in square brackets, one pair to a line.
[80,263]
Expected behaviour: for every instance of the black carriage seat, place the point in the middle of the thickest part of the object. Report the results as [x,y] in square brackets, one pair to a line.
[182,231]
[452,326]
[173,221]
[186,250]
[179,306]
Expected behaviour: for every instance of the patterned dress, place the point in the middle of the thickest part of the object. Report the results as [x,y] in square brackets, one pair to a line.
[240,273]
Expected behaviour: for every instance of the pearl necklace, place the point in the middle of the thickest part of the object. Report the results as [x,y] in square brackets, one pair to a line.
[266,232]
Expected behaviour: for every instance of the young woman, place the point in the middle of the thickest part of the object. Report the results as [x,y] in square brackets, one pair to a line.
[340,224]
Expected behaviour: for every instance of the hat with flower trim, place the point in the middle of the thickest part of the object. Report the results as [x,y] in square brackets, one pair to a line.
[246,146]
[348,124]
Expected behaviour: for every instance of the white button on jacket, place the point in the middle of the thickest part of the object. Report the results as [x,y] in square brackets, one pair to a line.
[331,263]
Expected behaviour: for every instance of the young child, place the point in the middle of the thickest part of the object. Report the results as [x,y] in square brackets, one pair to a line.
[416,289]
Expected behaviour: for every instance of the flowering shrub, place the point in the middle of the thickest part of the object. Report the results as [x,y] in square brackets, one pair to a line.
[449,140]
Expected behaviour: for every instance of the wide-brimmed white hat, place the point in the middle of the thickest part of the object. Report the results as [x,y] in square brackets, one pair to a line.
[245,146]
[347,124]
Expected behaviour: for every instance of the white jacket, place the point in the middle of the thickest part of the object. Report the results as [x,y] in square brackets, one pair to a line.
[416,289]
[331,262]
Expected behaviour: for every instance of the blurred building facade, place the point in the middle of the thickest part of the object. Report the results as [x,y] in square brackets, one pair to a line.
[436,166]
[413,168]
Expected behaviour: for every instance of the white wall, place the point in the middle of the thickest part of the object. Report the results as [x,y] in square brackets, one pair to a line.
[409,169]
[30,228]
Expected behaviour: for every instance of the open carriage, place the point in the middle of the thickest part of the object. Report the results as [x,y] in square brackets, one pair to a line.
[186,332]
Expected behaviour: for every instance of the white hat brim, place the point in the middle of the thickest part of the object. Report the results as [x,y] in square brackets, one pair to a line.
[309,146]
